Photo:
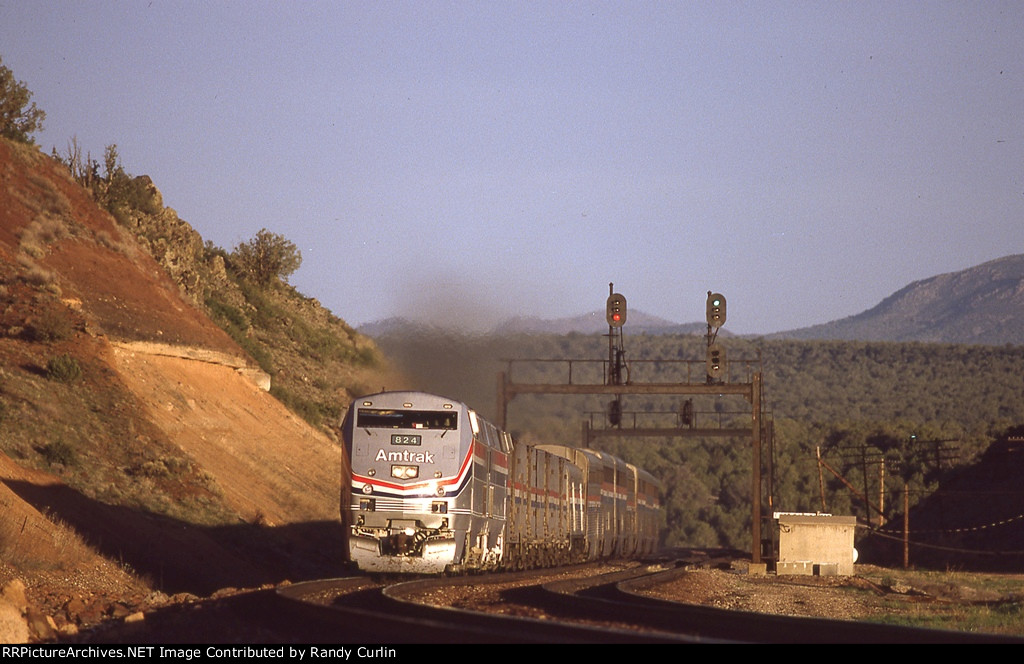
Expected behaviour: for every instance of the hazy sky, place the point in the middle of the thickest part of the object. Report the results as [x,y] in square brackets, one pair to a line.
[478,160]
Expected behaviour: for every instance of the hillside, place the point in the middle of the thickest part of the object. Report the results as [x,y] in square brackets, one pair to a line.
[984,496]
[136,433]
[980,305]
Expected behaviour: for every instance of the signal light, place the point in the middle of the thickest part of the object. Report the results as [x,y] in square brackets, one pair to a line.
[686,413]
[615,311]
[715,361]
[716,309]
[615,413]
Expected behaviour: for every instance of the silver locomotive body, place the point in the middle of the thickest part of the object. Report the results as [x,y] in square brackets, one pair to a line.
[429,484]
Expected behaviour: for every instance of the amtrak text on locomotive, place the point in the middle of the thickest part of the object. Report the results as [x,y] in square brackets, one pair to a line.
[405,456]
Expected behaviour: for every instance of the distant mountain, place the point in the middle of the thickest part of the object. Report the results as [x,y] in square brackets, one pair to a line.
[979,305]
[396,326]
[591,323]
[594,322]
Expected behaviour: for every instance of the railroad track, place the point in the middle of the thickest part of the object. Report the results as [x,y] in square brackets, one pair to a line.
[619,596]
[562,606]
[359,610]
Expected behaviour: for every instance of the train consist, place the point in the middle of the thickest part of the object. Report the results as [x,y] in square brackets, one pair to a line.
[436,488]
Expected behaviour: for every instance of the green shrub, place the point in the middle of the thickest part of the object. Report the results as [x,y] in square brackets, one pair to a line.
[232,317]
[52,325]
[167,467]
[310,411]
[63,368]
[58,452]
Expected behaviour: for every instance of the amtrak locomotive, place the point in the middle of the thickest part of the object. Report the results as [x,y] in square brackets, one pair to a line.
[435,488]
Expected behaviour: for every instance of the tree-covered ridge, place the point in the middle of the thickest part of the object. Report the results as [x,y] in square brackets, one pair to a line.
[815,381]
[857,402]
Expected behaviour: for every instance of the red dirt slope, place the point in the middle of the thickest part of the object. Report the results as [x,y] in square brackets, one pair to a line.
[72,282]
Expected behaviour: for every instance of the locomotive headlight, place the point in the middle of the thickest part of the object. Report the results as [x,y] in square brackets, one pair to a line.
[405,472]
[440,491]
[367,488]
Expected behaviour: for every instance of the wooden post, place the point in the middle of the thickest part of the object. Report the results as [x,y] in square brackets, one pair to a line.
[864,472]
[881,492]
[755,408]
[821,480]
[906,525]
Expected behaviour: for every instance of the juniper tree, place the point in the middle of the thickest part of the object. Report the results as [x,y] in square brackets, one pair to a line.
[19,118]
[266,257]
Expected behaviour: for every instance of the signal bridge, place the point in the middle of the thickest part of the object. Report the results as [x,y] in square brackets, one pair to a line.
[616,377]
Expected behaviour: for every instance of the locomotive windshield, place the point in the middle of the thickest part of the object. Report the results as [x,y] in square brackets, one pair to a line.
[387,418]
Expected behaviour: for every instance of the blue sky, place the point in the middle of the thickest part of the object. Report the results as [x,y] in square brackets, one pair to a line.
[471,161]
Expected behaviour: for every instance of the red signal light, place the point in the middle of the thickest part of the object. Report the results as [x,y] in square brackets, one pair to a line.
[616,310]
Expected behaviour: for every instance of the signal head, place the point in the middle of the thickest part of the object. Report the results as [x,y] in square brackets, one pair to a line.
[615,413]
[715,362]
[716,309]
[615,311]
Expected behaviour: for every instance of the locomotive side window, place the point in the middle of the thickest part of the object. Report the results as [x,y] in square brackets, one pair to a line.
[389,418]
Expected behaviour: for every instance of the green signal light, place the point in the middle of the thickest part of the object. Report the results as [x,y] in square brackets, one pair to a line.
[716,309]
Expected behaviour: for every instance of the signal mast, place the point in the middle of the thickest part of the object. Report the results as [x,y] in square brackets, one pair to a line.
[618,371]
[716,353]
